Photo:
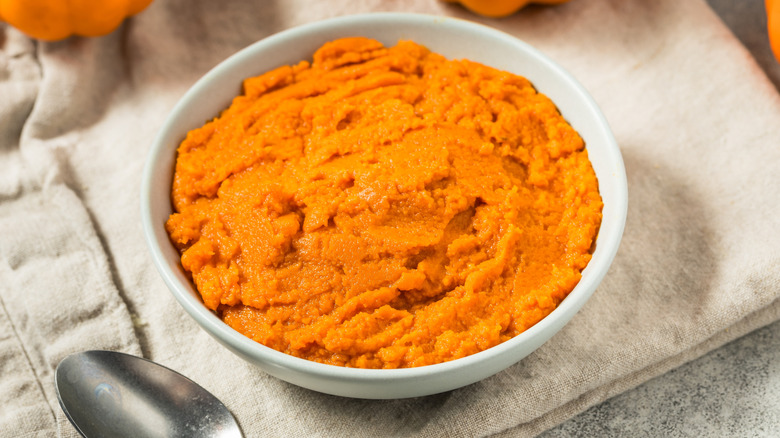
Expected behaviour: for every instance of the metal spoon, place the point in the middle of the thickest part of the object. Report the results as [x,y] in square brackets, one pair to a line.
[110,394]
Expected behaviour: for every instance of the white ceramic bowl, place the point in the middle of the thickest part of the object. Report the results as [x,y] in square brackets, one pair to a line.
[453,38]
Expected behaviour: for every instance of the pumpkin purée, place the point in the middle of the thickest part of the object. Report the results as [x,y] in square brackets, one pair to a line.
[384,207]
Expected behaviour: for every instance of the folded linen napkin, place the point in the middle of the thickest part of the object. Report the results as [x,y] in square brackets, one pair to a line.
[696,119]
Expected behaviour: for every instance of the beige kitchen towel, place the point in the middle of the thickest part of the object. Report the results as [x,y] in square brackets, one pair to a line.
[696,119]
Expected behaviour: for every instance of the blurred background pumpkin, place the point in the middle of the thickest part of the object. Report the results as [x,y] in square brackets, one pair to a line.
[500,8]
[773,23]
[52,20]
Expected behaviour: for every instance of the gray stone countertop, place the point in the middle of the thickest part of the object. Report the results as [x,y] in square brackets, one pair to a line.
[733,391]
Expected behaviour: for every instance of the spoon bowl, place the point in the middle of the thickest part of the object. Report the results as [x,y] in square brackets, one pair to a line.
[111,394]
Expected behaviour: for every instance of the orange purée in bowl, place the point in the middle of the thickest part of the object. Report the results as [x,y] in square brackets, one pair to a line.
[384,207]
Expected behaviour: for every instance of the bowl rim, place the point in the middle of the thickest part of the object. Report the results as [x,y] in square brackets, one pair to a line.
[608,240]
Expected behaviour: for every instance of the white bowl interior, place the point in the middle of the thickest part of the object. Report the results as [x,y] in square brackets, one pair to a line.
[454,39]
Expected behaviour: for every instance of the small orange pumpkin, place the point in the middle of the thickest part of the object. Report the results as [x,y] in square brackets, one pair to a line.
[52,20]
[500,8]
[773,24]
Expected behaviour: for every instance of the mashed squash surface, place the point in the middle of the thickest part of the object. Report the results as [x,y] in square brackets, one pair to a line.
[384,207]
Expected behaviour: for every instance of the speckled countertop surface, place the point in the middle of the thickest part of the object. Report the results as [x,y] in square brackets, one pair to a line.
[733,391]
